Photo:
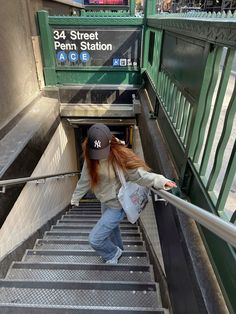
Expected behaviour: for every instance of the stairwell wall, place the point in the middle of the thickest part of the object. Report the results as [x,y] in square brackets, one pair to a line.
[38,203]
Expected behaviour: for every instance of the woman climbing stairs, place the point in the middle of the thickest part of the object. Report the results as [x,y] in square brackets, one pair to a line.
[63,274]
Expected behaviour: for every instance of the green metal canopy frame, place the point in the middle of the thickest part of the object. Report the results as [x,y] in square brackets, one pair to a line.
[55,75]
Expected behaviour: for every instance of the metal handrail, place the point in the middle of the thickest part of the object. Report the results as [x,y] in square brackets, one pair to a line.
[10,182]
[223,229]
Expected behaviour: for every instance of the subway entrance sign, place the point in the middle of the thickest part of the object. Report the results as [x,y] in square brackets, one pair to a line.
[95,47]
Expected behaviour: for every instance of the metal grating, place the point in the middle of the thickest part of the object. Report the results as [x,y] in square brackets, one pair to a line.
[63,235]
[106,298]
[86,232]
[77,246]
[89,228]
[62,223]
[128,260]
[87,220]
[78,274]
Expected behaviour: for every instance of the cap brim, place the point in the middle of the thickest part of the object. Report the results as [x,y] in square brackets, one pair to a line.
[98,154]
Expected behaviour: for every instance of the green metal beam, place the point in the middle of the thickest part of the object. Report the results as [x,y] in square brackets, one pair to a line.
[94,21]
[221,30]
[47,48]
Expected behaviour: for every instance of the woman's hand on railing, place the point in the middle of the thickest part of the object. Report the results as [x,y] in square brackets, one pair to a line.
[170,185]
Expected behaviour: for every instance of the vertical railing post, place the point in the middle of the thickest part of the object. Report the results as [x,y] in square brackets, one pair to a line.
[150,7]
[132,7]
[200,108]
[47,48]
[226,71]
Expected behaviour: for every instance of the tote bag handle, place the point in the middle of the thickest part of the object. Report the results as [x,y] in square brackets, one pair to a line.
[120,174]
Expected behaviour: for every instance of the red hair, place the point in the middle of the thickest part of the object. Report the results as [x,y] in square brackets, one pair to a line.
[124,157]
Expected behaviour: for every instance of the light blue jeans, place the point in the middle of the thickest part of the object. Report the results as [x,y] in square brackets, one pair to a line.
[105,235]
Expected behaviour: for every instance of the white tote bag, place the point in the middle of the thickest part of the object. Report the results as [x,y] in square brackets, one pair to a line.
[133,197]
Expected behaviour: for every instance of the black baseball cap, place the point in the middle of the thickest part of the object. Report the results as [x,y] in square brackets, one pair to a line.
[99,139]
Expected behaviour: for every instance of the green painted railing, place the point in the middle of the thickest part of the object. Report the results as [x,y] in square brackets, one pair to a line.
[191,66]
[177,107]
[202,114]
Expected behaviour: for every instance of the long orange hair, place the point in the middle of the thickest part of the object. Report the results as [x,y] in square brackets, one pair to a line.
[124,157]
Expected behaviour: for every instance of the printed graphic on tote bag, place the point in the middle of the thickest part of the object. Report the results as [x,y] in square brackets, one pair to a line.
[138,199]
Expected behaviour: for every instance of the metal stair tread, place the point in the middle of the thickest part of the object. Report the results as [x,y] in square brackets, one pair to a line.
[94,215]
[88,257]
[90,225]
[84,232]
[128,244]
[79,246]
[85,241]
[80,236]
[97,293]
[37,309]
[85,215]
[86,219]
[98,272]
[72,228]
[79,252]
[84,210]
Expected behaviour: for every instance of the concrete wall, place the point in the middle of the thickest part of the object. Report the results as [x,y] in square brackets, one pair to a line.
[18,78]
[21,95]
[38,203]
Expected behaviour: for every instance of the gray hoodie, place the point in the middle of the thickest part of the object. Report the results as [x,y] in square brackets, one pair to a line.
[109,184]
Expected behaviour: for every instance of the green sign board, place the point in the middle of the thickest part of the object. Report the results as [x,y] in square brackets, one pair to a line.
[116,47]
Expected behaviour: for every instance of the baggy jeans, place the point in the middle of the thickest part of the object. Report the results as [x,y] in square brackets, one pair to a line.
[105,235]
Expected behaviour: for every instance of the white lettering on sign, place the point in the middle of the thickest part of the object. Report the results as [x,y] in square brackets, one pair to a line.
[63,46]
[82,41]
[95,46]
[104,46]
[81,36]
[58,35]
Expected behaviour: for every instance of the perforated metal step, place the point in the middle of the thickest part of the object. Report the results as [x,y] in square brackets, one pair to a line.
[83,212]
[37,309]
[84,227]
[86,208]
[86,257]
[86,220]
[82,215]
[124,226]
[76,244]
[84,235]
[86,214]
[78,294]
[80,272]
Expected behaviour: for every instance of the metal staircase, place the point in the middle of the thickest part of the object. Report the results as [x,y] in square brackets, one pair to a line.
[63,274]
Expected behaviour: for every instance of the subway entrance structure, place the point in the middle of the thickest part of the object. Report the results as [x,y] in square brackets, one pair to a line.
[163,83]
